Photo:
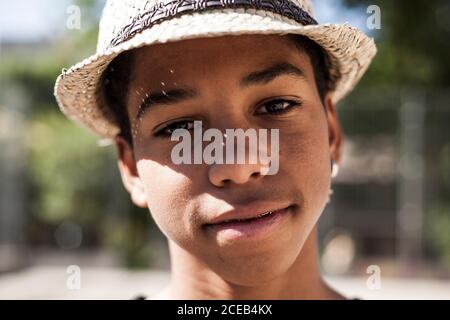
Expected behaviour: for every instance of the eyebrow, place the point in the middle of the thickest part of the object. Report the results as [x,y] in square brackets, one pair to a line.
[164,98]
[269,74]
[254,78]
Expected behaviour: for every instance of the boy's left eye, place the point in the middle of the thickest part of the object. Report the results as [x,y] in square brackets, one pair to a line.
[277,106]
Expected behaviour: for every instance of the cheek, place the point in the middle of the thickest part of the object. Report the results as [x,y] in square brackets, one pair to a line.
[168,193]
[305,155]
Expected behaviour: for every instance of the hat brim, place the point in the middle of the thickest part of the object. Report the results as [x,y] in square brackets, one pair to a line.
[77,90]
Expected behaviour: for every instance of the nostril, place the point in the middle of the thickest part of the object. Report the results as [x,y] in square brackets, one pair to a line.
[254,174]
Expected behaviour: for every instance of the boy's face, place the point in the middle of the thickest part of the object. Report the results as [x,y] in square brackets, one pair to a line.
[185,199]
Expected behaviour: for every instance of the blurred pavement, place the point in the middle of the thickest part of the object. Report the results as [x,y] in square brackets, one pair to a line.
[43,282]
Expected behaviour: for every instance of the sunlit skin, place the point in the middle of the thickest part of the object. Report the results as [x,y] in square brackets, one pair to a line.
[182,198]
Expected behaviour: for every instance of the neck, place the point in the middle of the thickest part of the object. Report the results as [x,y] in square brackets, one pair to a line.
[192,279]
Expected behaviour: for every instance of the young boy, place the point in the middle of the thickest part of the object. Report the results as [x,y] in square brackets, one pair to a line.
[167,69]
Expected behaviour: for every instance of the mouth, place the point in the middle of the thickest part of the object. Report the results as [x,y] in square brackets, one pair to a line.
[241,224]
[263,215]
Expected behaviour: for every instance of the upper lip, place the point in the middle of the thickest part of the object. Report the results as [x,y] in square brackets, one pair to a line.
[249,211]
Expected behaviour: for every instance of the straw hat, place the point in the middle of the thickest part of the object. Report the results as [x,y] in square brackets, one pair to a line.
[128,24]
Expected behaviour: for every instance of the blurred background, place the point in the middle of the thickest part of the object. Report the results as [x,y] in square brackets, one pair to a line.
[384,235]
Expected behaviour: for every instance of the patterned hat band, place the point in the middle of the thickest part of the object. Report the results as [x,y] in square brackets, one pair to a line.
[166,11]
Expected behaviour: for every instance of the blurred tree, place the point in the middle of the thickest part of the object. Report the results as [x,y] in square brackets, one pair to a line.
[71,177]
[413,53]
[413,43]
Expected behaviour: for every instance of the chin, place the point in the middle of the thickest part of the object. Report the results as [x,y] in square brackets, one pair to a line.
[258,268]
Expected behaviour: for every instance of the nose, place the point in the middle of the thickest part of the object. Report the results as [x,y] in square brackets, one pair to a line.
[221,175]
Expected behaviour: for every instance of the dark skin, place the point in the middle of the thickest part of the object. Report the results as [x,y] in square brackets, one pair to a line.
[183,198]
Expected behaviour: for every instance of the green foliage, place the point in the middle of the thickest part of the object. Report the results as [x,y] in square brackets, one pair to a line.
[439,231]
[73,178]
[438,222]
[413,43]
[68,169]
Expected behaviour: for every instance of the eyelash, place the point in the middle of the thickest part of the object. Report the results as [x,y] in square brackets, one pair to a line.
[162,132]
[292,104]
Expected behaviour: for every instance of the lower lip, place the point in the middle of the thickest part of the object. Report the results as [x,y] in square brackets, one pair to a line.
[253,229]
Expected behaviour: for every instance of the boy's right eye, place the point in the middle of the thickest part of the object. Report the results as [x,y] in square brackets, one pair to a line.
[170,128]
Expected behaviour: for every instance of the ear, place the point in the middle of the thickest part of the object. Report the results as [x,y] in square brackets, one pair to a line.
[335,135]
[129,173]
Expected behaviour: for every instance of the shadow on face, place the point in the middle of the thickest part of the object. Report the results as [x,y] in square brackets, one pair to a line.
[233,82]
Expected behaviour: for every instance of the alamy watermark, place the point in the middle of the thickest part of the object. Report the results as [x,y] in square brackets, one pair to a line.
[73,281]
[222,147]
[73,21]
[374,20]
[373,282]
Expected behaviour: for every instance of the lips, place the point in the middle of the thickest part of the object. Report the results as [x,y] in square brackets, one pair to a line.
[262,215]
[249,213]
[249,224]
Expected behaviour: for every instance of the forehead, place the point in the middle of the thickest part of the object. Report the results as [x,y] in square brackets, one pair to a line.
[196,58]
